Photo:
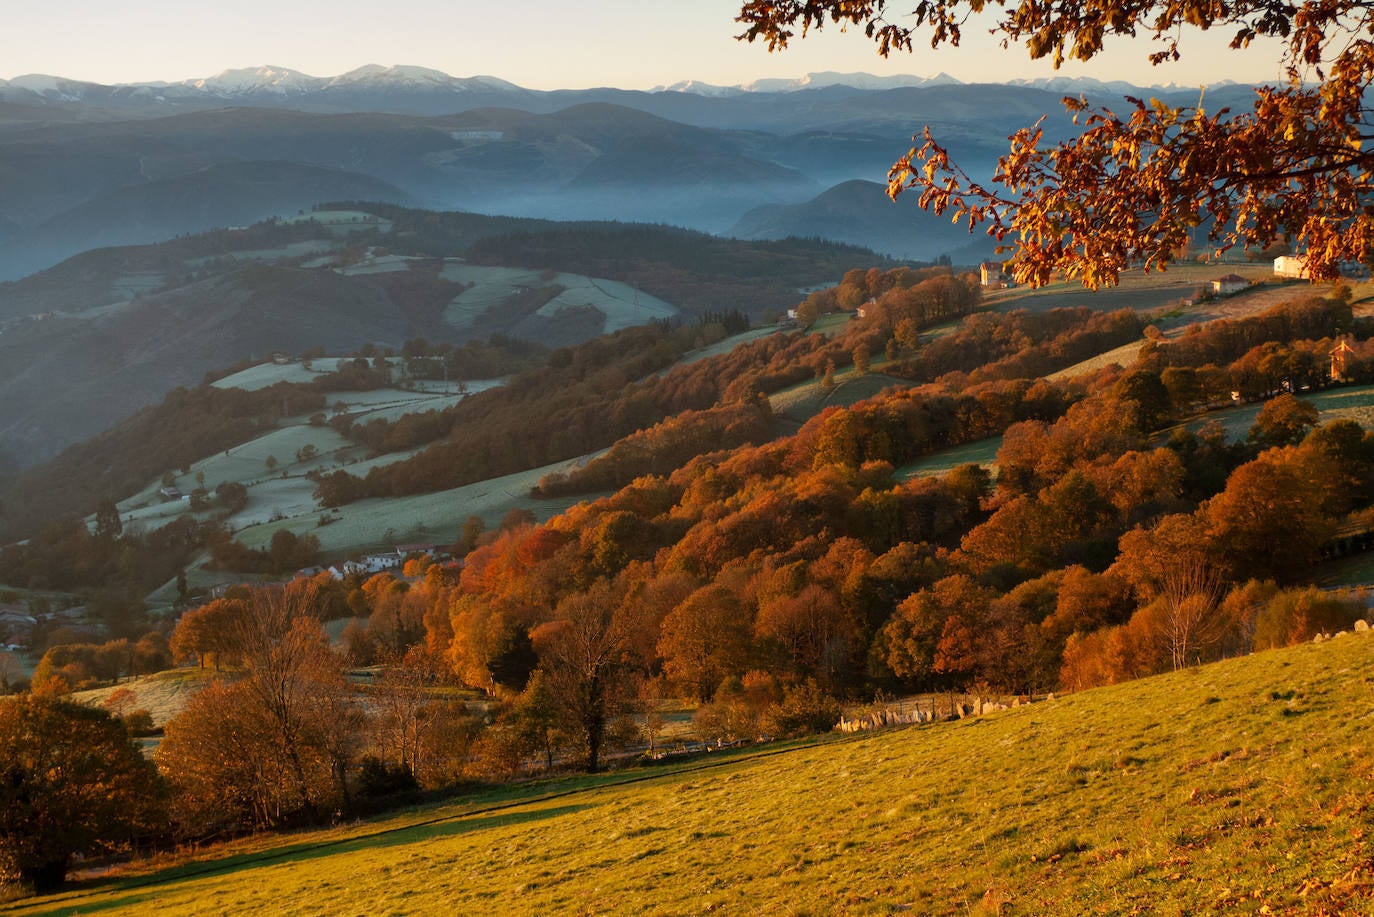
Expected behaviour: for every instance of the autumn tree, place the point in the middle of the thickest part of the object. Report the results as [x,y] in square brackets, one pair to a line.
[585,652]
[1134,186]
[72,781]
[704,639]
[1174,568]
[1283,421]
[1270,521]
[204,633]
[276,745]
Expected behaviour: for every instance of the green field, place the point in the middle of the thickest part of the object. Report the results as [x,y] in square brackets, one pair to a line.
[980,452]
[1137,290]
[1240,787]
[805,400]
[1355,404]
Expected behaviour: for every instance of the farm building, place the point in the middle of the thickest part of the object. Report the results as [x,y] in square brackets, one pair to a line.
[1231,283]
[994,275]
[1290,266]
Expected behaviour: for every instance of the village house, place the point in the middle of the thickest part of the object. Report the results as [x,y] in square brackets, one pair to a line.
[1231,283]
[994,275]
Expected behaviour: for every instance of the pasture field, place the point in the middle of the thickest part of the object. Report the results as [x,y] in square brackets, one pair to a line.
[720,348]
[806,399]
[380,264]
[265,374]
[163,694]
[436,517]
[622,304]
[1354,570]
[247,463]
[1354,403]
[1239,787]
[302,249]
[1137,290]
[980,452]
[831,323]
[1124,356]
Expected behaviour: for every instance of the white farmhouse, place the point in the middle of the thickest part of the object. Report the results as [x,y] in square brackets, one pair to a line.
[1290,266]
[1231,283]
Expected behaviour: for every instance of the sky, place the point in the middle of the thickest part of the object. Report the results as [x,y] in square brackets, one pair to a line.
[539,44]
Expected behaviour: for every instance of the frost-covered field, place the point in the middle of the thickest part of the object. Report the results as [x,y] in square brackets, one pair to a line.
[382,264]
[980,452]
[621,303]
[280,488]
[436,517]
[265,374]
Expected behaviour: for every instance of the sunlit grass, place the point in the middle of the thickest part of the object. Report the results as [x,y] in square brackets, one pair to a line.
[1226,789]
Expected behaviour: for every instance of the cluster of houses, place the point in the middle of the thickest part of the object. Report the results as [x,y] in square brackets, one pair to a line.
[369,565]
[377,563]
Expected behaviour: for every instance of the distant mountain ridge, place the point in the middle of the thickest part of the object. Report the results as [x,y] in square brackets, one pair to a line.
[85,164]
[373,83]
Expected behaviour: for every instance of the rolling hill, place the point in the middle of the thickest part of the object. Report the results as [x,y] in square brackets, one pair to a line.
[1237,787]
[88,342]
[861,213]
[224,194]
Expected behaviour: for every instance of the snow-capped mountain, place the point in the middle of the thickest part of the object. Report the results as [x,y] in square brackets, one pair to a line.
[698,88]
[415,90]
[278,80]
[863,81]
[866,81]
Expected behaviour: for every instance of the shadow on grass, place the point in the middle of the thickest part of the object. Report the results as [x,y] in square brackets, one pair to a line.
[99,895]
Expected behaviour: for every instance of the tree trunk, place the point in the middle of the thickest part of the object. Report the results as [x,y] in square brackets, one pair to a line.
[46,877]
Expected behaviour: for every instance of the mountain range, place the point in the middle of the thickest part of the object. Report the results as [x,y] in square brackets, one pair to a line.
[84,164]
[418,89]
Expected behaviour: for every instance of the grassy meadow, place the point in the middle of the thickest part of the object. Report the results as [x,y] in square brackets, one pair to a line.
[1242,787]
[805,400]
[1137,290]
[980,452]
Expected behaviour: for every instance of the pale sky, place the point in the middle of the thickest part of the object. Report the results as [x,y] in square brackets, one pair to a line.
[540,44]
